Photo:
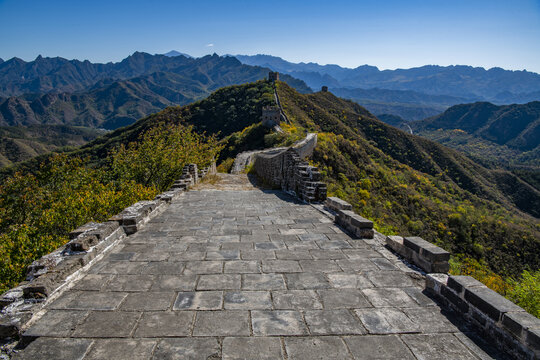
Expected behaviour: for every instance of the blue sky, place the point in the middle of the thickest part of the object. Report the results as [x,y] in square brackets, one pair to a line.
[387,34]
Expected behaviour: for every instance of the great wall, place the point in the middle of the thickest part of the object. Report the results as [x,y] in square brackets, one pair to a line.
[228,270]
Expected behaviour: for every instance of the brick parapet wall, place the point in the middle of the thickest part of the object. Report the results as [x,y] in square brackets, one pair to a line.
[53,273]
[287,171]
[513,329]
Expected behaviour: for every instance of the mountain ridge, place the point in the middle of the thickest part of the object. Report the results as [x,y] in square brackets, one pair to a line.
[57,74]
[475,83]
[112,103]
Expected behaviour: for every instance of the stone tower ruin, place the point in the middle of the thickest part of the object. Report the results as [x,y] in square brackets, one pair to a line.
[271,116]
[273,76]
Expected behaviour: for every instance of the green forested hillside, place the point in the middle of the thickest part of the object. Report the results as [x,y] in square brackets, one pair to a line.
[516,126]
[227,111]
[506,137]
[412,186]
[22,143]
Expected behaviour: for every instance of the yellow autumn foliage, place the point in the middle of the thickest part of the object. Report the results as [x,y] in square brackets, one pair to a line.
[39,209]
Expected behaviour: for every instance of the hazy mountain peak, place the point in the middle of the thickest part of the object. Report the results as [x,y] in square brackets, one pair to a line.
[139,54]
[176,53]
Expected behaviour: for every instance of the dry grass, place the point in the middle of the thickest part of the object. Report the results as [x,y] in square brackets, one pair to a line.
[211,179]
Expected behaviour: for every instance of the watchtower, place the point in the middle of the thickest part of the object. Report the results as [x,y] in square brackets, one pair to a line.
[270,116]
[324,89]
[273,76]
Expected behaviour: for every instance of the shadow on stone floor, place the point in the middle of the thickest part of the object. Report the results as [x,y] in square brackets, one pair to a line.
[468,333]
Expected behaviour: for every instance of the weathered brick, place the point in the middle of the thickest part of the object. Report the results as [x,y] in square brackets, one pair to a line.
[435,254]
[416,243]
[519,322]
[489,302]
[435,282]
[459,283]
[360,222]
[336,203]
[83,242]
[453,298]
[533,341]
[442,267]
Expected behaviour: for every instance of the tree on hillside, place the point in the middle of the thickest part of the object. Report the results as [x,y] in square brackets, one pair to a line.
[160,154]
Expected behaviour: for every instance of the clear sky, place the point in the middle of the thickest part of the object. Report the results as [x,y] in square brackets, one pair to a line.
[384,33]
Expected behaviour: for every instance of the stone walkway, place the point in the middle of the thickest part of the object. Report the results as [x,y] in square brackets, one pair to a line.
[227,182]
[249,275]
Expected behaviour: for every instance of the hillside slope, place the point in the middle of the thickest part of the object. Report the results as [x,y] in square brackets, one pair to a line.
[22,143]
[226,112]
[412,186]
[517,125]
[408,104]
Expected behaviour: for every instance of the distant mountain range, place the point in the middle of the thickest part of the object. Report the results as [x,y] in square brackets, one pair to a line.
[460,81]
[57,91]
[415,93]
[60,91]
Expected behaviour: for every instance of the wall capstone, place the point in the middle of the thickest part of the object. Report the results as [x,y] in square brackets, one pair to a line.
[420,252]
[355,224]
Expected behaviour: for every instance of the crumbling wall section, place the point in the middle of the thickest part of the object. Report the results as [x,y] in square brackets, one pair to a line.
[286,170]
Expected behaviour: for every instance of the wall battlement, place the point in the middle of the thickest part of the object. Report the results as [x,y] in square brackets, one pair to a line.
[271,116]
[513,329]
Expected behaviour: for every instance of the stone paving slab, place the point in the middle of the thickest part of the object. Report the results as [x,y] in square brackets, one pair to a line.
[121,349]
[378,347]
[252,348]
[249,274]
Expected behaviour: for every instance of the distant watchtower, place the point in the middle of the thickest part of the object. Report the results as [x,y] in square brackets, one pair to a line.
[273,76]
[324,89]
[270,116]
